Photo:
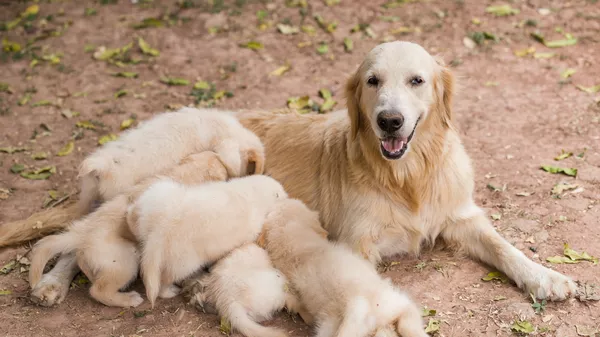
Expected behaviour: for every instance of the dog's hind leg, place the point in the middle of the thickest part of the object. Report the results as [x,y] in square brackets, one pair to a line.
[54,285]
[111,266]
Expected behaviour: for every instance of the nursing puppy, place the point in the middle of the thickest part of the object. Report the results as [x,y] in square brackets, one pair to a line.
[162,142]
[340,292]
[105,249]
[185,228]
[245,288]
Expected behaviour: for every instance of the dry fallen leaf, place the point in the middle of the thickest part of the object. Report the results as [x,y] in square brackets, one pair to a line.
[67,149]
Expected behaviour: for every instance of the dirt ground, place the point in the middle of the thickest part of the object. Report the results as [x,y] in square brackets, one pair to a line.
[515,114]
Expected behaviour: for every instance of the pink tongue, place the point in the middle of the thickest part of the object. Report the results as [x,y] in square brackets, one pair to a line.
[392,145]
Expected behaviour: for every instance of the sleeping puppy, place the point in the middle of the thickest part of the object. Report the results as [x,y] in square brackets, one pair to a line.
[160,143]
[182,229]
[339,292]
[105,249]
[245,288]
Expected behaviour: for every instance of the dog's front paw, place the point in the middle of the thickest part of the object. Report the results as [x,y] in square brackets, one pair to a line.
[551,285]
[50,290]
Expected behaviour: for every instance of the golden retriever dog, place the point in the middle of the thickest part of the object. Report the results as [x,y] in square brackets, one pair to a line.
[245,289]
[339,291]
[184,228]
[105,250]
[390,173]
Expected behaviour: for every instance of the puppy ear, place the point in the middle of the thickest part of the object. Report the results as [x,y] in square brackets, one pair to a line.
[353,92]
[261,241]
[255,162]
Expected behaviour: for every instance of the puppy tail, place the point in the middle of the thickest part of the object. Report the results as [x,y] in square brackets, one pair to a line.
[356,319]
[396,306]
[151,268]
[241,321]
[37,225]
[46,249]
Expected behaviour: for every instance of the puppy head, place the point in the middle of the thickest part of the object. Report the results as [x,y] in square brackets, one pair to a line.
[260,188]
[396,88]
[295,215]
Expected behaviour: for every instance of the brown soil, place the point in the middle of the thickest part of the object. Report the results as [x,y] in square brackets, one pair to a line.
[515,114]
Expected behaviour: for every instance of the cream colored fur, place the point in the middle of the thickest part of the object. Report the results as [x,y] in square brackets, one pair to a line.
[162,142]
[184,228]
[380,207]
[245,288]
[339,291]
[104,248]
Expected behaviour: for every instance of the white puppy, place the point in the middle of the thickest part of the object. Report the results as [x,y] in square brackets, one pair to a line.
[185,228]
[160,143]
[246,289]
[340,292]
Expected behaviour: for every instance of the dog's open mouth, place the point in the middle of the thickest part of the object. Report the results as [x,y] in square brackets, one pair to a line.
[394,147]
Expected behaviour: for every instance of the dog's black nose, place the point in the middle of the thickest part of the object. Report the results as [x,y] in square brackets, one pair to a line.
[390,123]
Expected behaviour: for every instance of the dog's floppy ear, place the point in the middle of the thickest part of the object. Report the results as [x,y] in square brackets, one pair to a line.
[353,91]
[448,84]
[255,162]
[444,86]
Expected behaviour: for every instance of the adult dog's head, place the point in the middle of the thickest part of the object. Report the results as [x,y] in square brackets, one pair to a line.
[398,91]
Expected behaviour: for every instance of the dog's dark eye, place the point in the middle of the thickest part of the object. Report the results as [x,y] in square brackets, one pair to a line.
[417,80]
[373,81]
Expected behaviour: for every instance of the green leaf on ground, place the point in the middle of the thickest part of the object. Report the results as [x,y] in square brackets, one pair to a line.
[254,45]
[39,174]
[433,326]
[85,125]
[148,23]
[590,90]
[555,169]
[174,81]
[39,155]
[67,149]
[568,73]
[126,124]
[563,155]
[12,149]
[146,49]
[125,74]
[348,44]
[523,327]
[280,70]
[502,10]
[572,256]
[495,276]
[428,312]
[323,48]
[107,138]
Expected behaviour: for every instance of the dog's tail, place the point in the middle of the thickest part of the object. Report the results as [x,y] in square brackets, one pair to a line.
[151,266]
[46,249]
[38,225]
[241,321]
[356,319]
[397,308]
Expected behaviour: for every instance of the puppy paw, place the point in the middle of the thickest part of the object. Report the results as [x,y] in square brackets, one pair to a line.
[551,285]
[134,299]
[169,291]
[50,290]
